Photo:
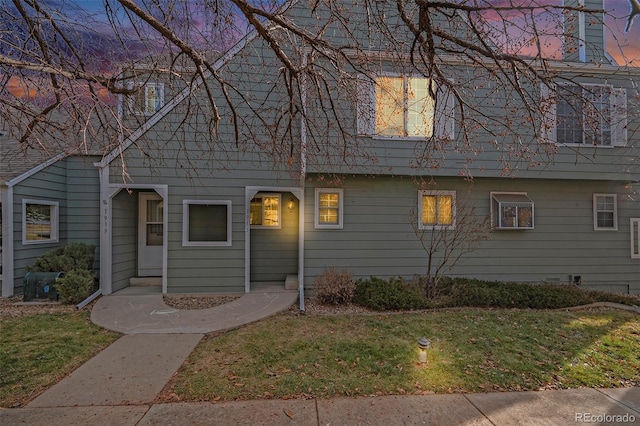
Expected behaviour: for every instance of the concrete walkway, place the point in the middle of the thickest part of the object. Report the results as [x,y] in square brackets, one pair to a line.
[141,310]
[119,385]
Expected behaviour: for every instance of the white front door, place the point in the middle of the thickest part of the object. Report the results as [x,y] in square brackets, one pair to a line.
[150,234]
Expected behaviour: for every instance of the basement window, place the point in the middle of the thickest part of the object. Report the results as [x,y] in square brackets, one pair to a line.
[513,210]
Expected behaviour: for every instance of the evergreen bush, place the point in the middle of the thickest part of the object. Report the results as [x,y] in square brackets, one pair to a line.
[75,286]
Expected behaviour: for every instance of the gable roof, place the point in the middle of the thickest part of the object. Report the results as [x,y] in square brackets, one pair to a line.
[184,93]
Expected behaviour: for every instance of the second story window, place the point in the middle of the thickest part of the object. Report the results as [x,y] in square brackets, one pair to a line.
[404,107]
[592,114]
[148,99]
[394,106]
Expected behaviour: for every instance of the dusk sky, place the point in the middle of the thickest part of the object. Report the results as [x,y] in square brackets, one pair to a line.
[624,47]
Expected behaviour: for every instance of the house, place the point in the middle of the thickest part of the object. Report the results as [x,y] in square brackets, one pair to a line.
[371,183]
[46,200]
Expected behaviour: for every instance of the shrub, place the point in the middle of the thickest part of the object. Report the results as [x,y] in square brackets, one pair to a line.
[334,287]
[393,294]
[71,256]
[496,294]
[75,286]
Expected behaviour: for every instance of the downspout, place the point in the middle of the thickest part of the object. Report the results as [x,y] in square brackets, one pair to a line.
[303,175]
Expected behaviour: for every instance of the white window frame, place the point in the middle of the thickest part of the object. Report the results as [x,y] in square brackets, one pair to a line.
[422,194]
[617,122]
[185,223]
[366,107]
[496,212]
[54,219]
[596,211]
[318,223]
[143,97]
[634,225]
[268,194]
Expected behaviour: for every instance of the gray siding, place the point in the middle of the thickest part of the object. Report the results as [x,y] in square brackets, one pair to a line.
[73,184]
[274,252]
[124,239]
[378,238]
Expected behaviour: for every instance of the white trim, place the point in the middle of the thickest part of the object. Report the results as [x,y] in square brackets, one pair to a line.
[185,224]
[262,195]
[595,212]
[36,169]
[107,192]
[582,37]
[54,220]
[6,197]
[316,208]
[634,226]
[422,194]
[496,224]
[133,101]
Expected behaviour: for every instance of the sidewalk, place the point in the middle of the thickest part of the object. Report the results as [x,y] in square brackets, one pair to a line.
[565,407]
[120,384]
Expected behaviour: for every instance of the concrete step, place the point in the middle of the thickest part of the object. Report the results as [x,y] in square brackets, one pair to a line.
[145,281]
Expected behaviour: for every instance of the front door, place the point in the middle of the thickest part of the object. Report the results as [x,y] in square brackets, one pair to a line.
[150,234]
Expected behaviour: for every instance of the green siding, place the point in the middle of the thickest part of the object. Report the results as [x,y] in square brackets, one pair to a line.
[378,238]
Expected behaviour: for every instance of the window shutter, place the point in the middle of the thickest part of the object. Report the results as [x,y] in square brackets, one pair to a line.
[548,130]
[445,113]
[619,117]
[365,105]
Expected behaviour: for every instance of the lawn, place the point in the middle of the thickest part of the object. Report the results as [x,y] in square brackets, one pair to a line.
[473,350]
[36,351]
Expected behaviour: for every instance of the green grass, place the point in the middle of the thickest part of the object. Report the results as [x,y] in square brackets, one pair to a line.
[36,351]
[472,351]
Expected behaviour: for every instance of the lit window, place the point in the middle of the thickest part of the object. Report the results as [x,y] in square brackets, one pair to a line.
[39,221]
[328,213]
[605,212]
[264,211]
[436,209]
[404,107]
[511,211]
[206,223]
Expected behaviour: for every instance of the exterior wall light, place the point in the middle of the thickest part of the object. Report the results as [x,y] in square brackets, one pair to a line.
[291,204]
[423,344]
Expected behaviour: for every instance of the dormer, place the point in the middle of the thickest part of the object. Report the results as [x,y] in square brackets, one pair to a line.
[584,33]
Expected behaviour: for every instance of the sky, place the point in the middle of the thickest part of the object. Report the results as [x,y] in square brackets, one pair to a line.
[623,47]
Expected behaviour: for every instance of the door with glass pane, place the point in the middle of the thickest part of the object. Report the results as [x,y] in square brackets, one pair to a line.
[150,234]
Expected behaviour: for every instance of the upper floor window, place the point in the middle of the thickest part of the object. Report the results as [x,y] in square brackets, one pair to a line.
[404,106]
[392,106]
[591,114]
[436,209]
[264,211]
[511,211]
[148,100]
[605,212]
[39,221]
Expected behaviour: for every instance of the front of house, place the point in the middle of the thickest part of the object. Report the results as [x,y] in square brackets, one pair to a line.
[222,217]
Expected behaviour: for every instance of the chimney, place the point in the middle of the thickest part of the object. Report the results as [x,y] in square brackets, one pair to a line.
[584,39]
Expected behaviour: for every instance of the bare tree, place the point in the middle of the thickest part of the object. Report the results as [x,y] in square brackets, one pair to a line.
[448,227]
[61,75]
